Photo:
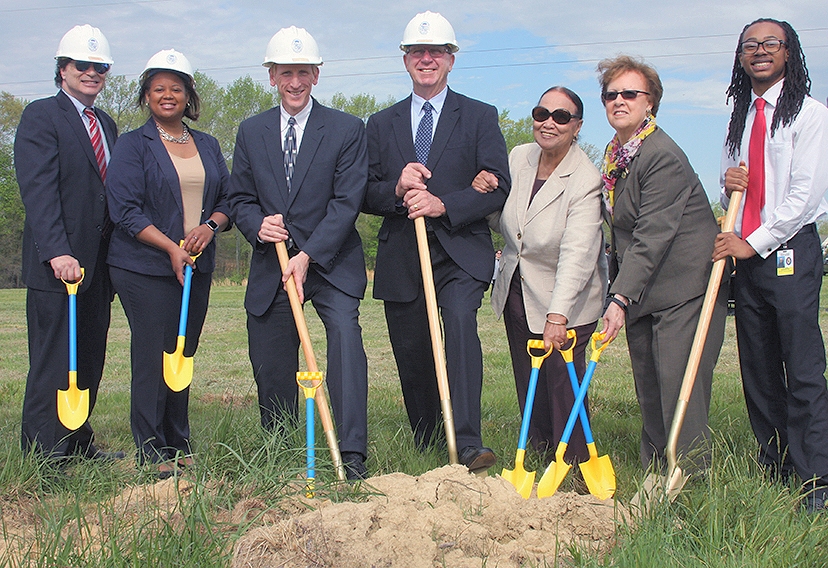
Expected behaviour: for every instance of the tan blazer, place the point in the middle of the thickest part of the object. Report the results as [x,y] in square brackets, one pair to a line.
[557,241]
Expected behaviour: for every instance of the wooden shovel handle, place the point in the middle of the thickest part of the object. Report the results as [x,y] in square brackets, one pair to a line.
[697,349]
[310,359]
[436,338]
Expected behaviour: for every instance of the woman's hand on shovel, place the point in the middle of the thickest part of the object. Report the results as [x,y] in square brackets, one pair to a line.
[554,331]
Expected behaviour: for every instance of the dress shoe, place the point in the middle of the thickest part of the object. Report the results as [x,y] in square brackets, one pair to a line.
[166,470]
[477,459]
[94,453]
[817,500]
[354,463]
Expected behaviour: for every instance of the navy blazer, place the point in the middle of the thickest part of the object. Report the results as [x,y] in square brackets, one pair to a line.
[327,190]
[61,189]
[467,140]
[143,189]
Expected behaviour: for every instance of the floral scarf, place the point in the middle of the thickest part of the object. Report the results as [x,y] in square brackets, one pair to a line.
[617,158]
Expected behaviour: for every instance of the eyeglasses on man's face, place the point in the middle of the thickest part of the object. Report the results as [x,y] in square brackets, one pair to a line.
[771,45]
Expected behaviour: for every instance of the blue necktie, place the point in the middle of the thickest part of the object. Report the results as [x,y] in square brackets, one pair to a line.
[422,143]
[290,151]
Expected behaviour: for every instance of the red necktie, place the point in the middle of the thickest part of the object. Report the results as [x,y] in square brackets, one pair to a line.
[755,198]
[97,141]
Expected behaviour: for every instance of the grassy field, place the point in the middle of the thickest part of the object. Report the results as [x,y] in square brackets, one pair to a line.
[733,517]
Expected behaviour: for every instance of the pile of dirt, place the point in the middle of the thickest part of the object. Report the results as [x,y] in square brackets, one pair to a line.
[445,517]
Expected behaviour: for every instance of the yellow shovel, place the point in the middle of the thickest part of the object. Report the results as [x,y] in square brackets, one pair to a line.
[519,477]
[309,381]
[178,369]
[598,472]
[73,403]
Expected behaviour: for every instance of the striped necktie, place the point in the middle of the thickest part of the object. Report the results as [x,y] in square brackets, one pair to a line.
[290,151]
[97,141]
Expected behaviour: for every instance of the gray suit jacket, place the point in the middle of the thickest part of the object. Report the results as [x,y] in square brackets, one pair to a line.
[328,188]
[663,229]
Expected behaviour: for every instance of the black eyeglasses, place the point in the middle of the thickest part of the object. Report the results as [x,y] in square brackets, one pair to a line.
[559,115]
[771,46]
[100,68]
[434,52]
[626,94]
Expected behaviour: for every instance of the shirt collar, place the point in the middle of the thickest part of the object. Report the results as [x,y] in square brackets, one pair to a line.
[301,116]
[78,105]
[436,101]
[771,96]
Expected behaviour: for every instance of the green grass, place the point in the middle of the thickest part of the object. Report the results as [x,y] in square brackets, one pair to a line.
[733,517]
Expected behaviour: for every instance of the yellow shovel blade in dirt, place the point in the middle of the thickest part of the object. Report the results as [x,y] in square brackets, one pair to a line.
[178,369]
[519,477]
[73,403]
[554,474]
[599,474]
[522,480]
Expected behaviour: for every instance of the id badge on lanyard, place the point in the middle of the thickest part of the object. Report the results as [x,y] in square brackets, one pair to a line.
[784,261]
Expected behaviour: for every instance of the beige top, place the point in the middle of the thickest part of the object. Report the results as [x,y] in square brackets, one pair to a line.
[191,178]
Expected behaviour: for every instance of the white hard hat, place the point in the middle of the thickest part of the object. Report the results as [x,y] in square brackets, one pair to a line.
[172,60]
[429,28]
[85,43]
[292,46]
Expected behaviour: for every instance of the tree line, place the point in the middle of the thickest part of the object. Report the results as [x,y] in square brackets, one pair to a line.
[223,109]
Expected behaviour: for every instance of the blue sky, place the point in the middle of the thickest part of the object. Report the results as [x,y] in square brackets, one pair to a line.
[507,57]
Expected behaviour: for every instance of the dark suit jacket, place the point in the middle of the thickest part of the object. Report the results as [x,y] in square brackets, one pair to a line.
[61,189]
[143,189]
[328,188]
[663,229]
[467,140]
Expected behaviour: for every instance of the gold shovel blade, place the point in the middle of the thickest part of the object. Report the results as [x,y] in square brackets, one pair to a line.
[554,474]
[73,404]
[521,479]
[178,369]
[599,474]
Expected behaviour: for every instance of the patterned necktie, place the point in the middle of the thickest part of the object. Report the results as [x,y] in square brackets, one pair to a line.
[755,198]
[422,143]
[97,141]
[290,151]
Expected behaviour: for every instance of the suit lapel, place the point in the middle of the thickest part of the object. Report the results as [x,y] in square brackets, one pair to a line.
[311,139]
[401,124]
[555,185]
[161,156]
[71,115]
[448,119]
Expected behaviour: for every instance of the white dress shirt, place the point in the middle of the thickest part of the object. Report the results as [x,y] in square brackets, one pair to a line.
[80,107]
[301,122]
[796,172]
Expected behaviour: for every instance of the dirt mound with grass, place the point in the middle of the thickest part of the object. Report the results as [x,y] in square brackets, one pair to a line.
[445,517]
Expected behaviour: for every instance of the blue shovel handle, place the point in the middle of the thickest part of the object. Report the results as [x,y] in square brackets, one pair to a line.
[310,436]
[185,300]
[537,360]
[582,391]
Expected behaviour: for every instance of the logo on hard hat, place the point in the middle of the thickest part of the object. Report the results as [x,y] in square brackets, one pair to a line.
[297,46]
[423,29]
[92,44]
[171,58]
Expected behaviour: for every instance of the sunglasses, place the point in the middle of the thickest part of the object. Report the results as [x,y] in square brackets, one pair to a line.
[559,115]
[626,94]
[100,68]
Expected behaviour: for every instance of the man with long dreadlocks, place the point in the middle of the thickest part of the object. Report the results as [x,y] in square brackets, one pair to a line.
[780,162]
